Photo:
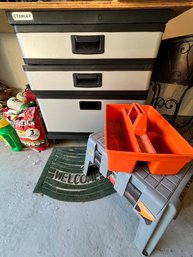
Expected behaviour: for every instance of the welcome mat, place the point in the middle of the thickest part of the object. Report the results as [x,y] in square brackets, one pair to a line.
[62,177]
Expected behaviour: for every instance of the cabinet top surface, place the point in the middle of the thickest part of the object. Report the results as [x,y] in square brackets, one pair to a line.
[178,6]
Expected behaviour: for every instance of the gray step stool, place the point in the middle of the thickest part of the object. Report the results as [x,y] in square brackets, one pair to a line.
[156,199]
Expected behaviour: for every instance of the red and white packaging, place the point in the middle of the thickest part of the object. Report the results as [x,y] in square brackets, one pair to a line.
[30,130]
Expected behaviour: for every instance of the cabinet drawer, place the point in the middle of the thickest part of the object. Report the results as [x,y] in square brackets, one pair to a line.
[70,115]
[57,48]
[93,78]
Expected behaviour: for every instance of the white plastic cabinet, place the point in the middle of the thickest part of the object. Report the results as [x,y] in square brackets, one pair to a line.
[79,60]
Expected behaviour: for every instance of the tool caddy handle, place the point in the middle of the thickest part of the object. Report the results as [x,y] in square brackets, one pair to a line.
[136,123]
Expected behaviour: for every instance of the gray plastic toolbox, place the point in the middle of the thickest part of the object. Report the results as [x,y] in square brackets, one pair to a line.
[156,199]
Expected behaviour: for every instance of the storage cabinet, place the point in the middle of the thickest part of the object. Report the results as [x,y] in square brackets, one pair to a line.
[77,61]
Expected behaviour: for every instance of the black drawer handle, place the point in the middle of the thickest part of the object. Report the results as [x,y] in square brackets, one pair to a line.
[87,80]
[88,44]
[90,105]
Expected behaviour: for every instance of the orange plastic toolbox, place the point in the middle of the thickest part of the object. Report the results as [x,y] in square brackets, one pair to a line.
[136,132]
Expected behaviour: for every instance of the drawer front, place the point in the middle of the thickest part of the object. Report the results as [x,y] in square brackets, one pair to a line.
[71,115]
[104,45]
[89,80]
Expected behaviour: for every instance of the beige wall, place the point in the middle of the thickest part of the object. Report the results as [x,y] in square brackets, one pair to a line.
[181,25]
[11,62]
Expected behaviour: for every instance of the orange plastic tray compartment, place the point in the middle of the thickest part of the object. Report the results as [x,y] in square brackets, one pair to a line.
[139,133]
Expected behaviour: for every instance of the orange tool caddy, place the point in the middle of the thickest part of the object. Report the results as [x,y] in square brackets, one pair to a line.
[136,132]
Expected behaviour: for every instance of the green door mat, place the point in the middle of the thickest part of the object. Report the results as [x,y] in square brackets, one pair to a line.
[62,177]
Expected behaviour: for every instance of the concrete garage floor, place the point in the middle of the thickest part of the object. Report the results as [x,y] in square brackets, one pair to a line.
[32,225]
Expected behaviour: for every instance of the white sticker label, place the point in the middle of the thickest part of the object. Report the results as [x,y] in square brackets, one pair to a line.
[22,16]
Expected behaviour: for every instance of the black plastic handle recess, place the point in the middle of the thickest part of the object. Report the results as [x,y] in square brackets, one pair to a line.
[88,44]
[90,105]
[87,80]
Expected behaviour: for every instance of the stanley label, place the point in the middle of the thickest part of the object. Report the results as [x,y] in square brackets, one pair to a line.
[22,16]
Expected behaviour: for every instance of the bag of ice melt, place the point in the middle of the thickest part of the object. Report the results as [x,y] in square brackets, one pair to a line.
[30,130]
